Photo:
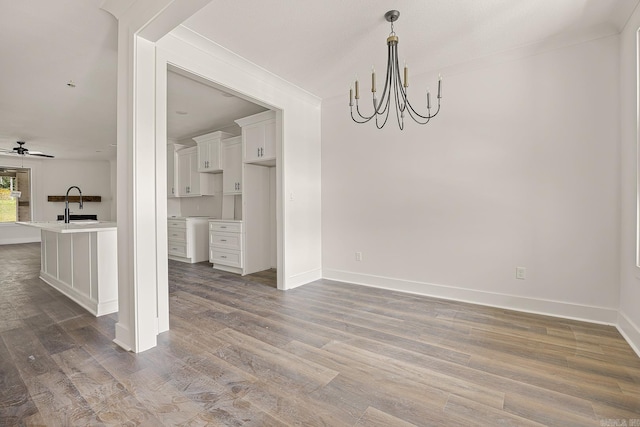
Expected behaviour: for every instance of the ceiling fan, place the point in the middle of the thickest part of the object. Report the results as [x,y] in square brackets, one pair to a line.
[20,150]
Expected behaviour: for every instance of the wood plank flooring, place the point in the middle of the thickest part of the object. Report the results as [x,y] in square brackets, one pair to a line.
[240,352]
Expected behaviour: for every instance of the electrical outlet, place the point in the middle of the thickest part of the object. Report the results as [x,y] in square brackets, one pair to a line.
[358,256]
[521,273]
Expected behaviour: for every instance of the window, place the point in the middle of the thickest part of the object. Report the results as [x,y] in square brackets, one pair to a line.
[15,194]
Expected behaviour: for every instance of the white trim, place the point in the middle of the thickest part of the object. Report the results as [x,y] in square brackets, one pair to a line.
[303,278]
[16,240]
[630,331]
[602,315]
[122,331]
[97,309]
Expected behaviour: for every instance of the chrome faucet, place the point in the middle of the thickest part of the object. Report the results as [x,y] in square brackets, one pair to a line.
[66,203]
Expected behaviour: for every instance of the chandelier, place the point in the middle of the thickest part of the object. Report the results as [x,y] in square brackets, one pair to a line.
[394,88]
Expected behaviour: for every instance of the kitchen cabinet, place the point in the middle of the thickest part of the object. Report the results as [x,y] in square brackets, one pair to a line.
[259,138]
[226,245]
[81,261]
[210,151]
[188,239]
[190,182]
[232,166]
[172,177]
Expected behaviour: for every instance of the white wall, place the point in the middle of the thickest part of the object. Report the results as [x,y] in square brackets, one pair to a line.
[52,177]
[629,320]
[93,178]
[520,169]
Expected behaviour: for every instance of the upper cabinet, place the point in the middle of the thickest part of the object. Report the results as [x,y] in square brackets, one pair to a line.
[259,138]
[232,165]
[210,151]
[190,182]
[172,177]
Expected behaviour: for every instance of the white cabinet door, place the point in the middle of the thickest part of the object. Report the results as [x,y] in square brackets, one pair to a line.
[210,151]
[184,173]
[253,137]
[209,159]
[172,170]
[203,156]
[194,188]
[232,167]
[259,138]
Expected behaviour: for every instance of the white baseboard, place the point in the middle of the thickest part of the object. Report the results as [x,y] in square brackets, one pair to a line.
[602,315]
[17,240]
[93,307]
[122,336]
[630,331]
[303,278]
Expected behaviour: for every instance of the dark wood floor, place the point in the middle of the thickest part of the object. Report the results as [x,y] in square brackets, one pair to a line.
[325,354]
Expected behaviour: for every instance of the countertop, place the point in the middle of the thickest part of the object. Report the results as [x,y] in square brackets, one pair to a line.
[205,217]
[79,226]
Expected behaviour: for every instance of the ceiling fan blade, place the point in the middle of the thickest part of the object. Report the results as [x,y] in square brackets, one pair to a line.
[41,155]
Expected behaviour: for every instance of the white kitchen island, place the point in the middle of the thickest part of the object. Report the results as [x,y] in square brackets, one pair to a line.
[80,259]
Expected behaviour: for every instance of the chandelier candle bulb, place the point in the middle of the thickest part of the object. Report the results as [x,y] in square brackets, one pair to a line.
[428,100]
[440,87]
[406,75]
[357,89]
[373,79]
[350,97]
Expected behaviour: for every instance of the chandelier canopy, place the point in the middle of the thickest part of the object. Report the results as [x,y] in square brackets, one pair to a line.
[394,88]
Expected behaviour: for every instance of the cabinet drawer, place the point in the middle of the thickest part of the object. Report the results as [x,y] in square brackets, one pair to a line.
[232,227]
[177,248]
[226,257]
[177,223]
[221,239]
[177,234]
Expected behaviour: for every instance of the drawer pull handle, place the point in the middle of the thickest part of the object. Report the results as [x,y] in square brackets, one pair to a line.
[222,256]
[223,240]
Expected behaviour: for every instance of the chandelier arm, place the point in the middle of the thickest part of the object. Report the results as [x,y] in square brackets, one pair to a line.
[413,112]
[387,81]
[360,121]
[386,117]
[399,110]
[367,118]
[427,117]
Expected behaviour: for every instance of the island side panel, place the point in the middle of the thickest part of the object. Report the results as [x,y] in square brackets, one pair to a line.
[49,262]
[65,261]
[105,273]
[81,249]
[83,266]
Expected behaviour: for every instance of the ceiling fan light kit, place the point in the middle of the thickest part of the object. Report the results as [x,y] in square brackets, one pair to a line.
[395,87]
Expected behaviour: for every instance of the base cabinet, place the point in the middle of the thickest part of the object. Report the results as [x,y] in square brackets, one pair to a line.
[187,239]
[226,241]
[83,266]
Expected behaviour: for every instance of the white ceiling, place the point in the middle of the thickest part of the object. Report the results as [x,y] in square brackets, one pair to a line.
[207,108]
[317,45]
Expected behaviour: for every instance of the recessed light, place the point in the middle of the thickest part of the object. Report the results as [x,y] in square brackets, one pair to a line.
[181,113]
